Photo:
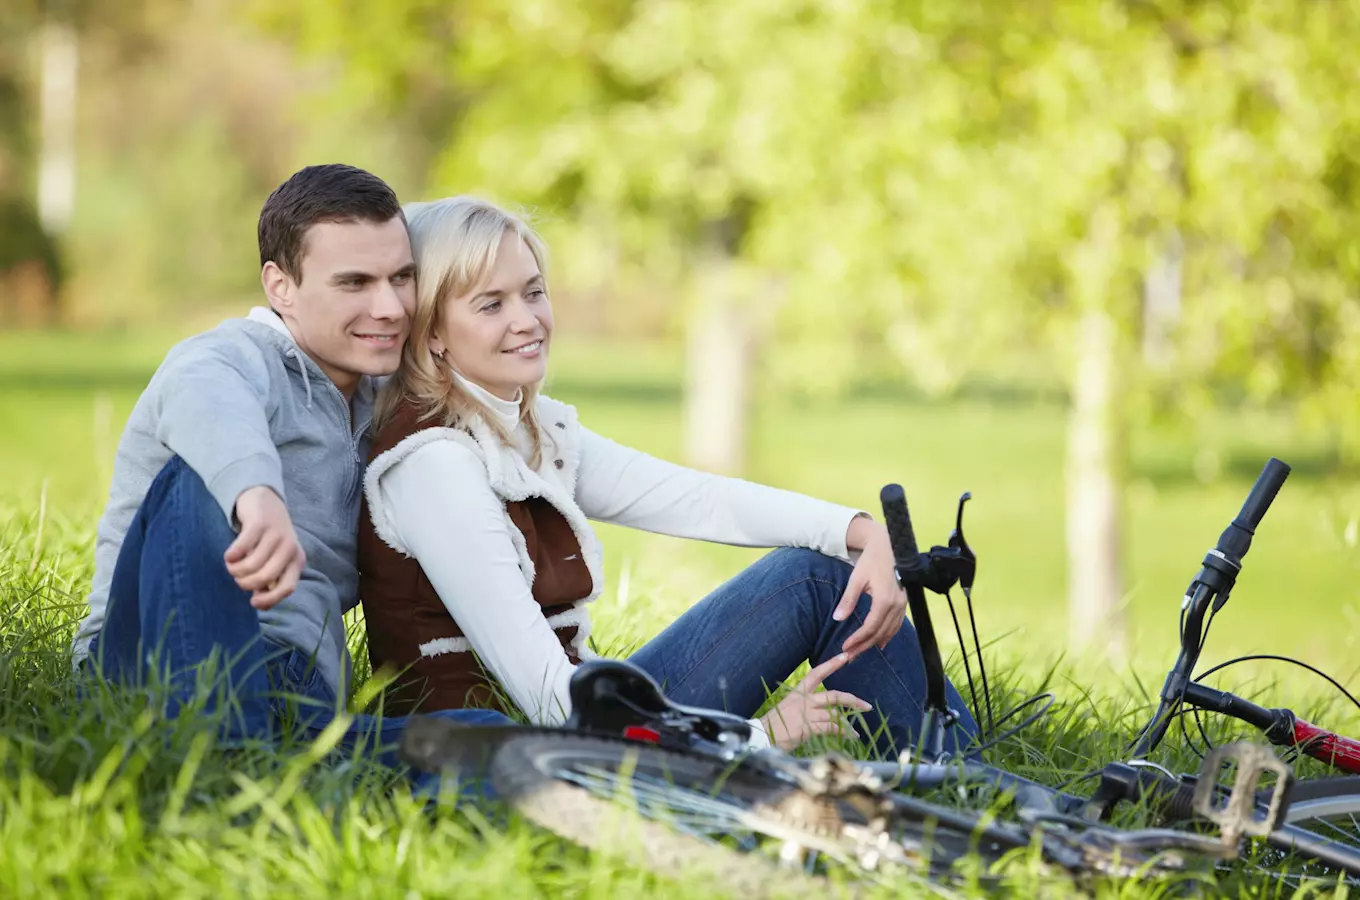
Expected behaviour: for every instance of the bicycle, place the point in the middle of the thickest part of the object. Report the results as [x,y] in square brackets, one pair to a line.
[698,793]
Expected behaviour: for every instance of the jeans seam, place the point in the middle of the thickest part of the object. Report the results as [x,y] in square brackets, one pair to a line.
[176,572]
[735,625]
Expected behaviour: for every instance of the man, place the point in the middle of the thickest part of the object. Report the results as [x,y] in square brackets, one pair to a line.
[231,524]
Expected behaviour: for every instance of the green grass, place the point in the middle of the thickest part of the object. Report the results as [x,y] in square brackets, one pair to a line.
[99,797]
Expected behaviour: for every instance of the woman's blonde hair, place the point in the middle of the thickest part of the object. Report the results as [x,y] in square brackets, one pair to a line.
[454,241]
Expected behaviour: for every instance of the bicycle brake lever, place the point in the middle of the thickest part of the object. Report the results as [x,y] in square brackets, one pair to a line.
[959,543]
[943,567]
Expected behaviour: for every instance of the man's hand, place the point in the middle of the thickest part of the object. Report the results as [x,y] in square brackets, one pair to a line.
[807,711]
[266,558]
[876,575]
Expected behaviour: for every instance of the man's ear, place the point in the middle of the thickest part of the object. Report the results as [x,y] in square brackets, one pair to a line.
[279,287]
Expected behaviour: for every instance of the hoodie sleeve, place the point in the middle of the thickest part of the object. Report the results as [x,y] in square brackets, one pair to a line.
[212,406]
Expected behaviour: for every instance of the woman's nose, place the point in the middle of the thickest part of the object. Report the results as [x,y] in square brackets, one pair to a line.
[522,318]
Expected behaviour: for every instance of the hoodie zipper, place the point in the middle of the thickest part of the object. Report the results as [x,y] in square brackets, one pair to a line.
[354,461]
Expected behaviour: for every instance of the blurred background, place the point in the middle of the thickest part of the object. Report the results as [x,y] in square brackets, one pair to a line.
[1093,260]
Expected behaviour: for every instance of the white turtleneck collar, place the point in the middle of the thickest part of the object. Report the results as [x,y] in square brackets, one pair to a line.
[505,411]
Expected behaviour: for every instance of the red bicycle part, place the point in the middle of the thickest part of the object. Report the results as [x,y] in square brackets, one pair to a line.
[1331,748]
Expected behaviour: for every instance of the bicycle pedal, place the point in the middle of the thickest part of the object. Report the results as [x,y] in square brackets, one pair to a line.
[1237,815]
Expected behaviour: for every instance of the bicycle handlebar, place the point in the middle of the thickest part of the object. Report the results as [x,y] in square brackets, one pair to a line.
[1236,538]
[1213,585]
[911,569]
[900,533]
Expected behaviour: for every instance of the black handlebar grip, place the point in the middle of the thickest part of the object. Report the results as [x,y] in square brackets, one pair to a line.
[900,534]
[1235,540]
[1262,494]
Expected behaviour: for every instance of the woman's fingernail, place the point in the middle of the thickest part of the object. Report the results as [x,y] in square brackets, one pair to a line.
[838,616]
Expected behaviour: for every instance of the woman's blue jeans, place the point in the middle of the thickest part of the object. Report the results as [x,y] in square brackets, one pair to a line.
[734,647]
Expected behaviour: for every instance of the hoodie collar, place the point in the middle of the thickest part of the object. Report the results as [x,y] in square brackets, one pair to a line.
[266,316]
[364,392]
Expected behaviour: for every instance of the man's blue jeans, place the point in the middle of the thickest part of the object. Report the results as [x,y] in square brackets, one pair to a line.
[173,603]
[740,642]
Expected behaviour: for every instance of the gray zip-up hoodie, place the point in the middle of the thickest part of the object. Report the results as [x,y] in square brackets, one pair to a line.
[243,406]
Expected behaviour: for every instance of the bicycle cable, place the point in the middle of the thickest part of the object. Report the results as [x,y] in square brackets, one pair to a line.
[1289,659]
[963,651]
[1195,711]
[982,667]
[1028,721]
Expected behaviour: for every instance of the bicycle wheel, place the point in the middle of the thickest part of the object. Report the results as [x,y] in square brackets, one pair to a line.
[1328,807]
[675,813]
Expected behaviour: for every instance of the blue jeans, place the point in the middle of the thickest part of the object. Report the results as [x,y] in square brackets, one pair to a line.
[173,604]
[740,642]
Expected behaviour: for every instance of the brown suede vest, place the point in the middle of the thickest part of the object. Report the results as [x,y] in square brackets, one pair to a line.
[402,611]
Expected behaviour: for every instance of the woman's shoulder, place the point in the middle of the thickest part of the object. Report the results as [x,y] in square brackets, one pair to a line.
[554,414]
[408,428]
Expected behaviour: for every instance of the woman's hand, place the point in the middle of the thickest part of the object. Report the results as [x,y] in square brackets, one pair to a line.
[807,711]
[876,575]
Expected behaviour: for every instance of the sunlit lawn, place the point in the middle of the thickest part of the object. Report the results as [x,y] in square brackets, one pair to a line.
[63,400]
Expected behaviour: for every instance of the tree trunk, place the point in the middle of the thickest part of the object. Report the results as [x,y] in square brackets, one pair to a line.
[718,357]
[1095,439]
[1094,444]
[1162,302]
[60,55]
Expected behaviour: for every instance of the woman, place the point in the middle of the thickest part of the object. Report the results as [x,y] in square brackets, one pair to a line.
[479,563]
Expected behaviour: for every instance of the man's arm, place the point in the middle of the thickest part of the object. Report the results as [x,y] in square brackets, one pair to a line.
[212,410]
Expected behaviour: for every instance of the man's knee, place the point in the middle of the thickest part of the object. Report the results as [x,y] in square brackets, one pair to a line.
[180,492]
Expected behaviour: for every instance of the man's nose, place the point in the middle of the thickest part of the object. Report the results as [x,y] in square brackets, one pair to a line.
[387,303]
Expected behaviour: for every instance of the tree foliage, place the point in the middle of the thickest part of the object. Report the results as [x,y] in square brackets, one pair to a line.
[944,181]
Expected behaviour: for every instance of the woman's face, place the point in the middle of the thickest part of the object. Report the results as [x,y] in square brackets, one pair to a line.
[496,335]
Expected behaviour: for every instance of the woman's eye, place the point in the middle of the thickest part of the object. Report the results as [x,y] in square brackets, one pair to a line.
[492,307]
[537,294]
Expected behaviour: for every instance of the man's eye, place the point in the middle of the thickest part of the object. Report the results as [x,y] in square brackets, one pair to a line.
[402,278]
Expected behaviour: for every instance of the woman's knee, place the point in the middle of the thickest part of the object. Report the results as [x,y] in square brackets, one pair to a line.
[802,561]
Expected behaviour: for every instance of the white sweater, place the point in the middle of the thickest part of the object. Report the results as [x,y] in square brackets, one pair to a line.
[443,502]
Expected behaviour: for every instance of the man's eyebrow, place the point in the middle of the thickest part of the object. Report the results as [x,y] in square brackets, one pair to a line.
[351,277]
[408,269]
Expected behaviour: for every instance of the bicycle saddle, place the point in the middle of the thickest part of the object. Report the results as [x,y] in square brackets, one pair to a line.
[613,696]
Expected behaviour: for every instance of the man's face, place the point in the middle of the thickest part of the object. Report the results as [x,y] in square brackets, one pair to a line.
[350,311]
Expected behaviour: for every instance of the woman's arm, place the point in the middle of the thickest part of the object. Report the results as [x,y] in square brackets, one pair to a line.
[445,513]
[624,486]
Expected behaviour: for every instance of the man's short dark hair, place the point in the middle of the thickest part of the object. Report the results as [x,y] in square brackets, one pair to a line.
[328,193]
